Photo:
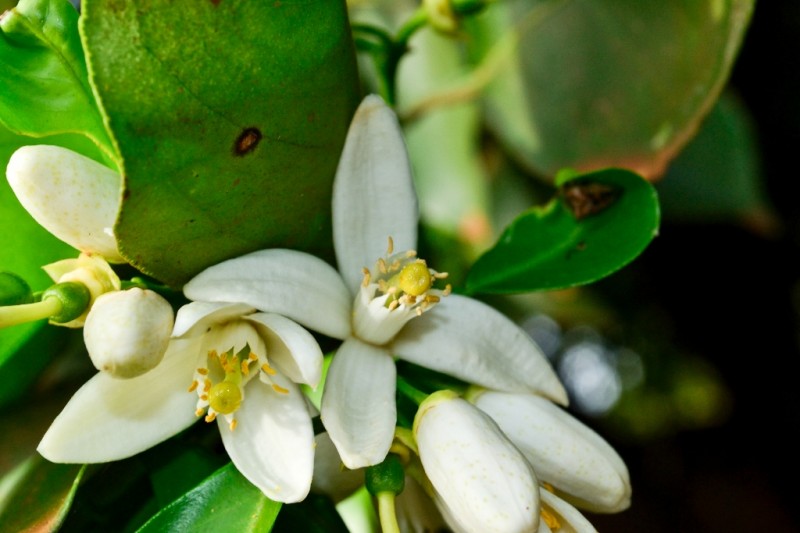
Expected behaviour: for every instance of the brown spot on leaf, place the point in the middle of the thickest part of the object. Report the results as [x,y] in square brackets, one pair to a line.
[215,2]
[585,198]
[247,141]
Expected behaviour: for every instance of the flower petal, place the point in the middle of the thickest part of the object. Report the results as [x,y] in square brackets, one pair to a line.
[71,196]
[471,341]
[582,467]
[330,476]
[483,482]
[273,443]
[358,404]
[567,518]
[373,193]
[293,349]
[110,419]
[290,283]
[195,318]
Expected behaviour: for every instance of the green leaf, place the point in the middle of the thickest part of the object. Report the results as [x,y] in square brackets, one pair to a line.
[718,175]
[45,84]
[230,116]
[225,501]
[590,84]
[551,247]
[25,349]
[37,494]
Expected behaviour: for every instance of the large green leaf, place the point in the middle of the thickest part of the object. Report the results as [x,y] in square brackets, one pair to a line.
[229,116]
[225,501]
[45,85]
[25,246]
[589,84]
[600,222]
[37,494]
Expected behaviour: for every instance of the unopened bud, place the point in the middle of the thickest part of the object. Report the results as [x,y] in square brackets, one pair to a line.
[127,332]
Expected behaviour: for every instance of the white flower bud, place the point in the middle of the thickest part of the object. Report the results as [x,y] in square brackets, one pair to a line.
[127,332]
[482,482]
[71,196]
[582,467]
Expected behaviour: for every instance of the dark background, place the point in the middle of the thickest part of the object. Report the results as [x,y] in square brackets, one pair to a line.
[731,295]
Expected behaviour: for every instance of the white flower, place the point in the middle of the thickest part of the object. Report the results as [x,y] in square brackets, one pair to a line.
[575,461]
[482,483]
[241,367]
[374,310]
[127,332]
[71,196]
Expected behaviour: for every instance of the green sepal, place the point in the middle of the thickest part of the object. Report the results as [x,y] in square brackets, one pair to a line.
[388,476]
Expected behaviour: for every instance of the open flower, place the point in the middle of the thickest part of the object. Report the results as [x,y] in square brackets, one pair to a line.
[391,309]
[241,368]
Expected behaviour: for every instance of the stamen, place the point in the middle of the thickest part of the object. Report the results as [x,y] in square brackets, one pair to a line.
[382,266]
[440,275]
[211,416]
[193,386]
[207,385]
[233,424]
[411,253]
[268,369]
[199,412]
[245,367]
[432,299]
[252,357]
[390,248]
[204,397]
[279,389]
[202,371]
[550,519]
[367,277]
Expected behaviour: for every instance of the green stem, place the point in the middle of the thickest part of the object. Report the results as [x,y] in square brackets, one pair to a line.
[19,314]
[386,512]
[411,392]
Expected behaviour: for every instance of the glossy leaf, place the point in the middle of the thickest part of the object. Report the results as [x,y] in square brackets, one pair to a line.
[230,116]
[46,88]
[26,246]
[225,501]
[589,84]
[37,494]
[599,223]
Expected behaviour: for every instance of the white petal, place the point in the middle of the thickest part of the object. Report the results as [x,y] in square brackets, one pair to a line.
[471,341]
[569,519]
[416,511]
[330,476]
[293,349]
[483,481]
[373,193]
[110,419]
[290,283]
[565,453]
[195,318]
[358,403]
[71,196]
[273,443]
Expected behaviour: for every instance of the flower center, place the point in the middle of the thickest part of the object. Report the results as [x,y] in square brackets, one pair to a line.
[398,288]
[225,396]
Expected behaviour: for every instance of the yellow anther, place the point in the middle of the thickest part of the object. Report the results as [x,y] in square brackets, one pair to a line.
[548,487]
[432,299]
[550,519]
[213,354]
[207,385]
[199,412]
[245,367]
[367,277]
[382,266]
[394,305]
[415,279]
[411,253]
[279,389]
[202,371]
[233,424]
[390,248]
[193,386]
[252,357]
[268,369]
[210,417]
[225,397]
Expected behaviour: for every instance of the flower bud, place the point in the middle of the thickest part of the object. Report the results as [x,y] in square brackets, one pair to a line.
[127,332]
[481,481]
[71,196]
[582,467]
